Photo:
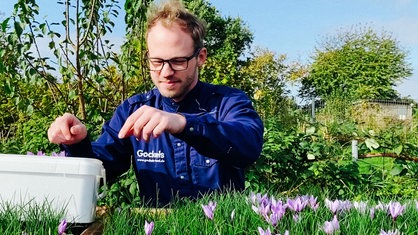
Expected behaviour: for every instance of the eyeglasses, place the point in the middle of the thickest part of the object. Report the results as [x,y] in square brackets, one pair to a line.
[176,64]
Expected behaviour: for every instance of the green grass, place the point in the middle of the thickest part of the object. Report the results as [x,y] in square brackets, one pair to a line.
[29,219]
[187,217]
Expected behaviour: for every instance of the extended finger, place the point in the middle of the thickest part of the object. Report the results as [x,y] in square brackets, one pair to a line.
[127,128]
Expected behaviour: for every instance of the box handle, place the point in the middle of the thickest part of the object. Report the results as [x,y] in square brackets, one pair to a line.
[103,176]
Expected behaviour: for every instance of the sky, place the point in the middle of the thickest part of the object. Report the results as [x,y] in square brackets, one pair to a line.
[295,27]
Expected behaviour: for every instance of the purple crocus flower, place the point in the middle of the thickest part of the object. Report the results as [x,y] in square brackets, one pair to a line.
[312,202]
[277,206]
[361,207]
[372,213]
[277,211]
[297,204]
[297,217]
[390,232]
[62,227]
[258,199]
[149,227]
[263,209]
[273,218]
[40,153]
[333,206]
[209,209]
[395,209]
[331,226]
[261,231]
[253,198]
[271,209]
[381,206]
[337,205]
[60,154]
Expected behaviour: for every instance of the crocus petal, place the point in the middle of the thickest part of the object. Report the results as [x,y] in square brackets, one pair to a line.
[297,204]
[60,154]
[372,213]
[149,227]
[331,226]
[390,232]
[209,209]
[62,227]
[296,217]
[395,209]
[335,223]
[264,232]
[312,202]
[361,207]
[333,206]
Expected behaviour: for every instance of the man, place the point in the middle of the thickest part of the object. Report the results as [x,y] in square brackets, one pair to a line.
[184,137]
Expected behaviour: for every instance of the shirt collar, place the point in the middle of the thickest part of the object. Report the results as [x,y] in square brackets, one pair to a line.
[190,97]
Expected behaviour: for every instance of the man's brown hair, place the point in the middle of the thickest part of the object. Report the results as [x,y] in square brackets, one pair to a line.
[173,11]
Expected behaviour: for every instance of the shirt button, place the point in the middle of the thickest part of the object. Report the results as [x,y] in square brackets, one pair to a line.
[181,177]
[191,129]
[178,144]
[208,161]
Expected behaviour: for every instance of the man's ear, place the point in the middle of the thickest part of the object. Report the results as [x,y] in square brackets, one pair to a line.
[201,58]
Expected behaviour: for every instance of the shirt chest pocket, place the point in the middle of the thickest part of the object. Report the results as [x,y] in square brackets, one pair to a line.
[201,161]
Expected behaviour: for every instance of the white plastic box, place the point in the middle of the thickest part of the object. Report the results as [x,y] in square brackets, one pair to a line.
[65,183]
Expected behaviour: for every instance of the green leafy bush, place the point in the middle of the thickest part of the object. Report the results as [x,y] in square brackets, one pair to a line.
[294,161]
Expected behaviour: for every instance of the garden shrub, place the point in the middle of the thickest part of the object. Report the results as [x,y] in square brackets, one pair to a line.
[123,192]
[292,159]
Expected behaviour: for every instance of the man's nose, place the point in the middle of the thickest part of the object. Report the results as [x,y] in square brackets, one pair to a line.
[167,70]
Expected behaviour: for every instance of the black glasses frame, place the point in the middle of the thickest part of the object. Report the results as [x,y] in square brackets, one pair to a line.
[169,61]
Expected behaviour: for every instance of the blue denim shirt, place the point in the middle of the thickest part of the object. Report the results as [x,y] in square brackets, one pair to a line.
[223,135]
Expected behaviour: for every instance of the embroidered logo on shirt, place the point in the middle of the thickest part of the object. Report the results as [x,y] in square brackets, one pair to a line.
[150,156]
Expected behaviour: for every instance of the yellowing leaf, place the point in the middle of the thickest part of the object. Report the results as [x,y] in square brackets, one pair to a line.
[371,143]
[311,156]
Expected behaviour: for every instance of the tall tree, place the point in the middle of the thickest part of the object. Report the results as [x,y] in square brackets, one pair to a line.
[359,63]
[80,53]
[265,75]
[46,62]
[130,62]
[227,40]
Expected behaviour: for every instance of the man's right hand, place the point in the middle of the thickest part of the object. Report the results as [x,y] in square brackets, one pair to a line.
[67,129]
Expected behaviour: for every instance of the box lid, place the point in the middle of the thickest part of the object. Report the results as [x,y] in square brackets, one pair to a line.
[50,164]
